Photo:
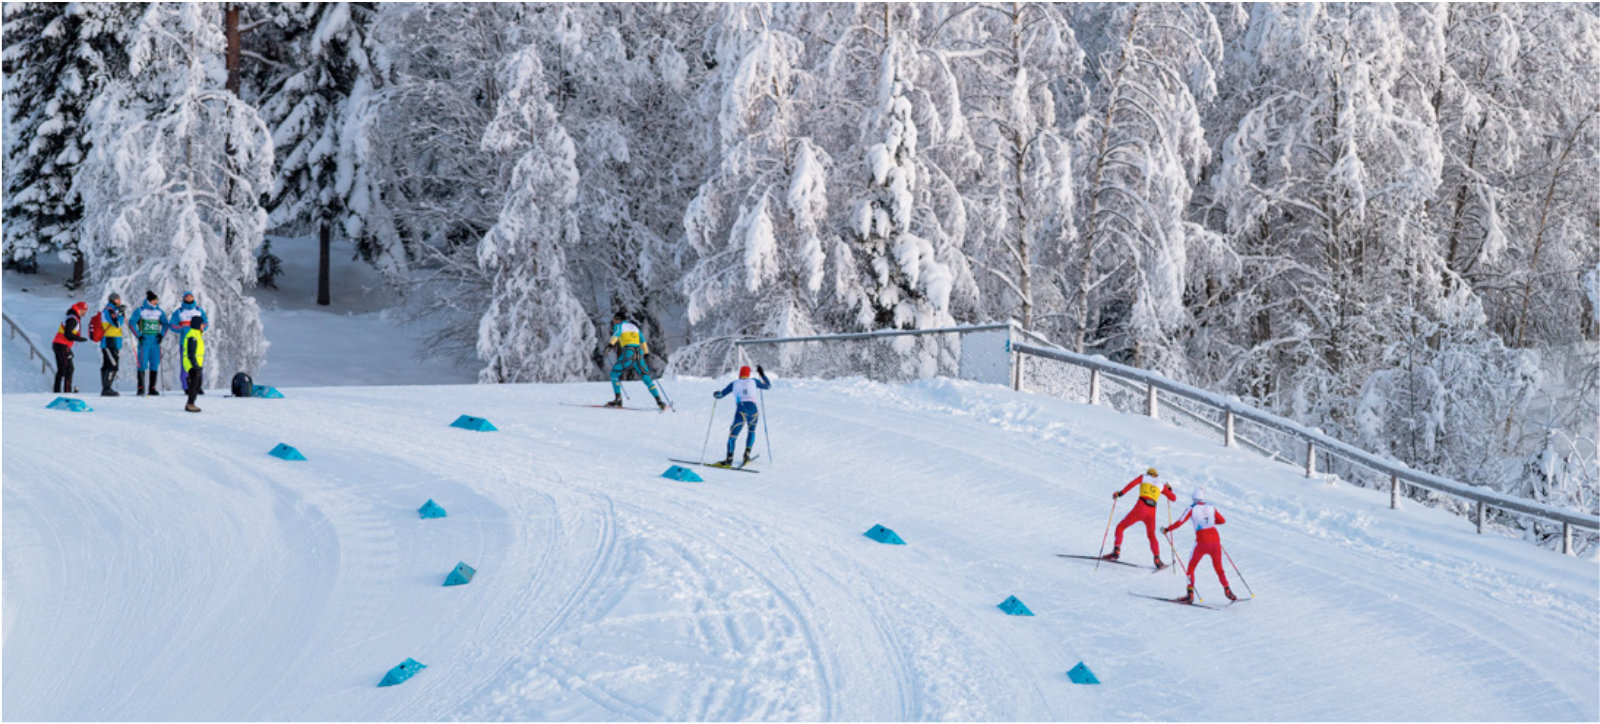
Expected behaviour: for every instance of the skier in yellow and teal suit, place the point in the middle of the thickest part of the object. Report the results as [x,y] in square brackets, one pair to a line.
[631,349]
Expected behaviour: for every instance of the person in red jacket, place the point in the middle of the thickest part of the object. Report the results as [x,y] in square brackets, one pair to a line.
[1206,541]
[66,334]
[1144,512]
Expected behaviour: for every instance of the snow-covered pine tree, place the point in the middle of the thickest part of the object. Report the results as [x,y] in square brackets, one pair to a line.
[1143,147]
[743,280]
[909,265]
[318,115]
[57,58]
[168,147]
[534,329]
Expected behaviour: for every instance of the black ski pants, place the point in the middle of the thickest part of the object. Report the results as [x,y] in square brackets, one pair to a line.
[63,381]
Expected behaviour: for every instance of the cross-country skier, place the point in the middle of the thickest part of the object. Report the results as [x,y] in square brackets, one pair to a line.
[1206,541]
[150,324]
[631,349]
[744,393]
[112,319]
[179,323]
[66,335]
[1144,511]
[194,359]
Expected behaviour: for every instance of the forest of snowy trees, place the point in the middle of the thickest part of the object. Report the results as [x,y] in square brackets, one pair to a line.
[1377,218]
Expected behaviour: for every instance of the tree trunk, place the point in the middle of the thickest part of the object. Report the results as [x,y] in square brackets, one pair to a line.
[231,24]
[77,271]
[325,234]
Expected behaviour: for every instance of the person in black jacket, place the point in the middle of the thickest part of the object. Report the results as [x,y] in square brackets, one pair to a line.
[66,334]
[193,346]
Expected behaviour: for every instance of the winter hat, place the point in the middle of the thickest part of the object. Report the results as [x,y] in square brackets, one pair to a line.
[114,298]
[1152,473]
[80,308]
[744,372]
[619,316]
[1199,495]
[150,296]
[188,297]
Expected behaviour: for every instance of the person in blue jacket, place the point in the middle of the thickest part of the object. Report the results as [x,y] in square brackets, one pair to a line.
[179,324]
[150,324]
[744,393]
[631,349]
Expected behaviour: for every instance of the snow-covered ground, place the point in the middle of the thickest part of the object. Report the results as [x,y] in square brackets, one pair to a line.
[360,339]
[161,566]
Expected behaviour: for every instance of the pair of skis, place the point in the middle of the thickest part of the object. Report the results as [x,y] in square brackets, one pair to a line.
[736,468]
[614,407]
[1178,599]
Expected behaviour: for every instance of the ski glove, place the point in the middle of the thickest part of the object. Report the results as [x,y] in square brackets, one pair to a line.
[1163,530]
[761,372]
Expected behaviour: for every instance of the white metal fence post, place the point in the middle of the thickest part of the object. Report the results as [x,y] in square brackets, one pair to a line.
[1481,510]
[1150,403]
[1566,539]
[1094,387]
[1394,492]
[1311,459]
[1227,430]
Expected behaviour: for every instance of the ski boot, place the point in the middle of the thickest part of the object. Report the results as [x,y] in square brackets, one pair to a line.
[615,402]
[1188,597]
[1229,592]
[747,457]
[1115,552]
[1159,564]
[661,404]
[726,462]
[140,376]
[189,407]
[105,385]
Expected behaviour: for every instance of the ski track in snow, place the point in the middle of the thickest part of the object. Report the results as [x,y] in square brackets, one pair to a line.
[179,572]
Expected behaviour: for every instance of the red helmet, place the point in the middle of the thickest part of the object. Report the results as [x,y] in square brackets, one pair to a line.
[80,307]
[744,372]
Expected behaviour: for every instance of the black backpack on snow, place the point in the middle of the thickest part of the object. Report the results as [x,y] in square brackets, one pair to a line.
[242,385]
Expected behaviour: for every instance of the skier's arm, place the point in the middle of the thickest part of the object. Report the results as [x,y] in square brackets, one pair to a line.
[71,329]
[1167,491]
[1179,522]
[724,391]
[188,351]
[763,383]
[1130,486]
[1219,519]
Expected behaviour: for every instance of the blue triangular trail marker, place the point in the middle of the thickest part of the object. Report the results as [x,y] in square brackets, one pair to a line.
[286,452]
[70,405]
[431,509]
[884,535]
[461,575]
[270,393]
[473,423]
[405,670]
[1014,607]
[1081,674]
[682,475]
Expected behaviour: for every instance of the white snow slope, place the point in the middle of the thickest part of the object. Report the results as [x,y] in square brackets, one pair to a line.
[160,565]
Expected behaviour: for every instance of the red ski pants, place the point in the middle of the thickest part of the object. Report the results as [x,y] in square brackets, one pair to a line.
[1145,514]
[1208,548]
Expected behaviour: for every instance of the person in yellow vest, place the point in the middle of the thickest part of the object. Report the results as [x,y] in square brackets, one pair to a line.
[194,359]
[1144,512]
[631,349]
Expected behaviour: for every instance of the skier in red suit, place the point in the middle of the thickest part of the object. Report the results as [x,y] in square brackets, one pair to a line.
[1143,511]
[1206,541]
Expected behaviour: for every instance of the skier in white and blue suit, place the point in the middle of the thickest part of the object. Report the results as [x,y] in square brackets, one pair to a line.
[744,392]
[631,349]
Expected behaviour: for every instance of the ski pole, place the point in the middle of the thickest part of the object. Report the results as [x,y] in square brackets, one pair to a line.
[1175,557]
[1236,570]
[709,423]
[1109,516]
[764,430]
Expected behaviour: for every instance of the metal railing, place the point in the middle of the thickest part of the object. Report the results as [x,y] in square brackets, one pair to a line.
[33,352]
[1233,411]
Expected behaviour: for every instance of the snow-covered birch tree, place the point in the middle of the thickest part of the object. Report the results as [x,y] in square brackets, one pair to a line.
[534,329]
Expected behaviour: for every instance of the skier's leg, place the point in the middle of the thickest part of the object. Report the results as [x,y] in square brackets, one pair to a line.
[1216,563]
[616,377]
[733,433]
[750,441]
[1131,518]
[644,374]
[1194,557]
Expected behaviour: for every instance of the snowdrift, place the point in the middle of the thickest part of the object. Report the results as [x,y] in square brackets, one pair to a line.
[160,565]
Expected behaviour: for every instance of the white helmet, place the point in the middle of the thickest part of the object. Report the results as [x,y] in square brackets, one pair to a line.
[1199,496]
